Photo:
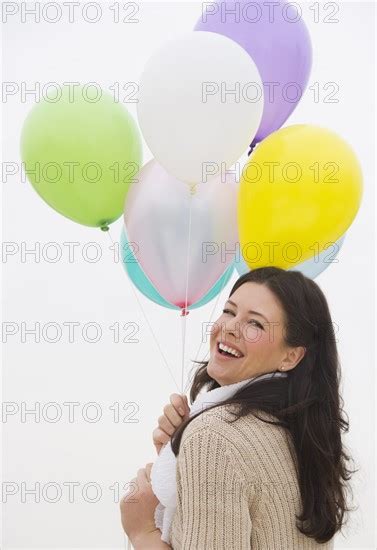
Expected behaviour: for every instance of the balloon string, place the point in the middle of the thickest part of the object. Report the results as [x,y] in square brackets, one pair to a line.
[110,237]
[127,542]
[185,312]
[183,317]
[213,311]
[149,325]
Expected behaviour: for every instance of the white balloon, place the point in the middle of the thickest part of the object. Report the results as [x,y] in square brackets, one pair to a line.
[200,101]
[172,252]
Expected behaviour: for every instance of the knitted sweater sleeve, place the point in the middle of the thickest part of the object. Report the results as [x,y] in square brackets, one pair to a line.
[212,500]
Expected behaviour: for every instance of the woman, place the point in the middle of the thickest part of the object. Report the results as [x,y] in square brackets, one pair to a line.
[266,468]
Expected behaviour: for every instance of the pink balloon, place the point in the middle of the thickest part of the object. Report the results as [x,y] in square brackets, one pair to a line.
[156,216]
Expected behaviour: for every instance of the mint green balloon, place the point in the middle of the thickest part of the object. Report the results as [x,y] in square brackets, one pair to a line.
[146,287]
[81,156]
[311,267]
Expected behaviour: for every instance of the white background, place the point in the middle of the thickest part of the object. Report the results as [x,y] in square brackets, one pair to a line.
[108,452]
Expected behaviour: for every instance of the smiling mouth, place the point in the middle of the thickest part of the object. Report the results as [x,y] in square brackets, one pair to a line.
[225,353]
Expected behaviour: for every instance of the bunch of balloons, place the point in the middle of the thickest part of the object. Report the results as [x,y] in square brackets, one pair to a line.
[190,217]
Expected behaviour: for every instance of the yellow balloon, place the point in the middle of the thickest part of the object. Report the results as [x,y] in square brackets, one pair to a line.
[299,191]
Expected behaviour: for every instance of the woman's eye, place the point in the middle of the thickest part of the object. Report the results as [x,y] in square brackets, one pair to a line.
[252,321]
[257,324]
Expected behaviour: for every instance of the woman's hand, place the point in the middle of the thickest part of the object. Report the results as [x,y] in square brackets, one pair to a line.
[137,507]
[174,414]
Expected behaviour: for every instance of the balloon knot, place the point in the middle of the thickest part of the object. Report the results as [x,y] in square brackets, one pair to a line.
[184,312]
[105,227]
[193,188]
[252,147]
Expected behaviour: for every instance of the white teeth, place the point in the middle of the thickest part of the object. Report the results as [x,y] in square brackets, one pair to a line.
[229,350]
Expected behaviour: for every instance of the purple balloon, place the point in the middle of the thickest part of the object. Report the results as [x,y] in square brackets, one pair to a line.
[276,37]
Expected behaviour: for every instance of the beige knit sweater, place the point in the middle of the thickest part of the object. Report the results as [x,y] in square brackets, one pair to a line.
[237,487]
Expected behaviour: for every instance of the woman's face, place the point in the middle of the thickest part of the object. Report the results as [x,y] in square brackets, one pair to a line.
[252,323]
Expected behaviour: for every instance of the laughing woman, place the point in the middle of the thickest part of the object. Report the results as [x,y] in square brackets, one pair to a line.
[260,462]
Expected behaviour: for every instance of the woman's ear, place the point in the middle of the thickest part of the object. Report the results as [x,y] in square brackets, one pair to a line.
[293,358]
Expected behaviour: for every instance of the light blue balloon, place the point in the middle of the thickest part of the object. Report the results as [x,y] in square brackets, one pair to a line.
[146,287]
[310,268]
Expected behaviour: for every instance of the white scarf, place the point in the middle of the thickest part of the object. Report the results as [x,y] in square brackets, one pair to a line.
[163,472]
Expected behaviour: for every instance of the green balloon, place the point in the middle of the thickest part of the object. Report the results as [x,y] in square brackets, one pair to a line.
[81,155]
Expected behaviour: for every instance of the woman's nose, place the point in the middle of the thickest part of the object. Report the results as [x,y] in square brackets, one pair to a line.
[232,327]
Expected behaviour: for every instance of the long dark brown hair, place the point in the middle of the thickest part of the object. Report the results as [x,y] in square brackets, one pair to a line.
[307,402]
